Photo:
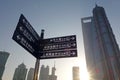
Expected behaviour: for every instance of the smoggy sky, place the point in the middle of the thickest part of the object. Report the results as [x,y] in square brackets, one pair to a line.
[58,18]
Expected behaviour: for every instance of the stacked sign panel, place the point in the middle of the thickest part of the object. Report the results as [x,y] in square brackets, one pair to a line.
[60,47]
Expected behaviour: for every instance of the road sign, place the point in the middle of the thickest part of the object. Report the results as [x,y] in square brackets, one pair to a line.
[59,54]
[70,38]
[60,47]
[26,36]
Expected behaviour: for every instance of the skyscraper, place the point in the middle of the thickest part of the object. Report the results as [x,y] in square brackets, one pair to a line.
[76,73]
[20,72]
[101,49]
[44,73]
[30,74]
[3,59]
[53,76]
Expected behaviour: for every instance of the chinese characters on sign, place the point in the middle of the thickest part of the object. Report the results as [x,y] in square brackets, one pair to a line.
[58,47]
[26,36]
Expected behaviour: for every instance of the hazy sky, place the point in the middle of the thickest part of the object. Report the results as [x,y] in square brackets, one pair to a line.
[58,18]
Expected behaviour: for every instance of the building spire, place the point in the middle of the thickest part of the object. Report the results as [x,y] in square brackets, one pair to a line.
[54,64]
[53,69]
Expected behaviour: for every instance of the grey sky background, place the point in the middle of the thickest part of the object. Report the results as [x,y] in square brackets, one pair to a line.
[58,18]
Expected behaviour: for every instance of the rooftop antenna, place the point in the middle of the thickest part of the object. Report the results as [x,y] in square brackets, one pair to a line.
[96,4]
[53,69]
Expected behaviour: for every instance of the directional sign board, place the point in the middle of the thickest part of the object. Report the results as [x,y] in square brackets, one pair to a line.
[60,47]
[26,36]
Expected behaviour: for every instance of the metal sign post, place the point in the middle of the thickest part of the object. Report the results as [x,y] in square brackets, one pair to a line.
[36,69]
[37,64]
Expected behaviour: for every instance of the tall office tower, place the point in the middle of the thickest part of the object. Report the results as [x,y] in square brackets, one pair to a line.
[44,73]
[20,72]
[53,76]
[76,75]
[101,49]
[30,74]
[3,59]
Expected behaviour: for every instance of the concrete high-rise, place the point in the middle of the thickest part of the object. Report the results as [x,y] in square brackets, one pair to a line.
[30,74]
[76,73]
[101,49]
[3,59]
[20,72]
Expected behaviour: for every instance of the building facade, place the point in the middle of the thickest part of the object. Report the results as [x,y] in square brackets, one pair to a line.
[3,59]
[76,73]
[30,74]
[20,72]
[101,49]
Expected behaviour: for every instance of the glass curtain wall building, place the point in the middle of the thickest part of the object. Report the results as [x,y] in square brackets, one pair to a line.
[101,49]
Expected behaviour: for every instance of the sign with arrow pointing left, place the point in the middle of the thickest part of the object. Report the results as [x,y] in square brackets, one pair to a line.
[58,47]
[26,36]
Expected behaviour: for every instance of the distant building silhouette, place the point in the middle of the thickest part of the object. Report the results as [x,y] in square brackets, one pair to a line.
[20,72]
[30,74]
[76,73]
[53,76]
[101,49]
[44,73]
[3,59]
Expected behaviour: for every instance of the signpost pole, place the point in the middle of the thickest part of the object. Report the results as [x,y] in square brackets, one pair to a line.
[37,64]
[36,69]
